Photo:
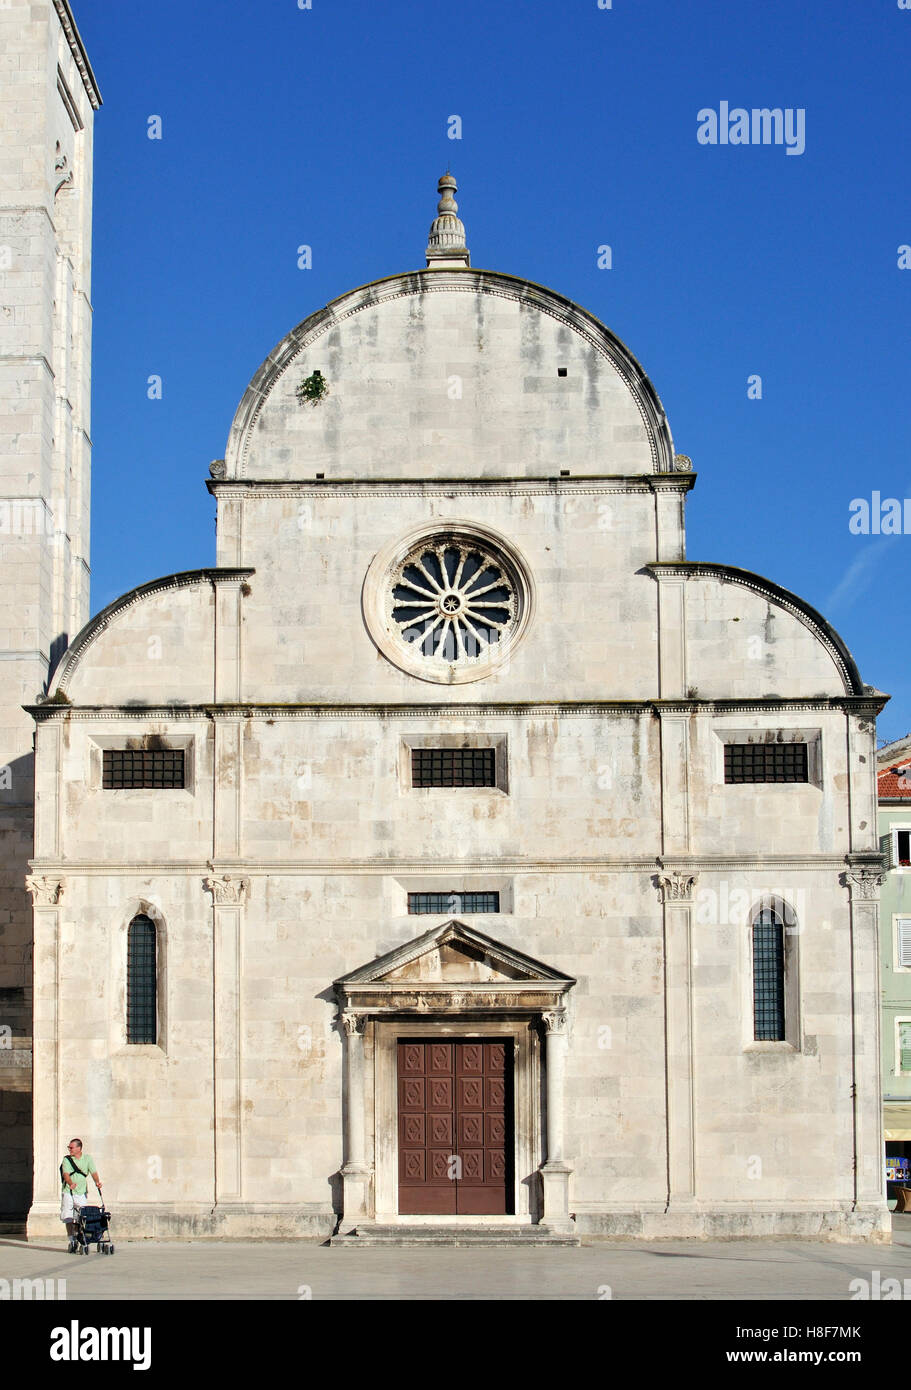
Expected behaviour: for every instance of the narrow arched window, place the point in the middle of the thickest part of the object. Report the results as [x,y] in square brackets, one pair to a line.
[768,977]
[142,981]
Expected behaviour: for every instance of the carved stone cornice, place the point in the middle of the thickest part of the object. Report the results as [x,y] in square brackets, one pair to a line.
[46,891]
[676,885]
[77,48]
[227,891]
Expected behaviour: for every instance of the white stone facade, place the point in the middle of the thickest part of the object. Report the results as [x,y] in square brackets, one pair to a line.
[461,403]
[48,98]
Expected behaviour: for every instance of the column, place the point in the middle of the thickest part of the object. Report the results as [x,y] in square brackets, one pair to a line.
[869,1176]
[676,888]
[356,1171]
[556,1170]
[228,897]
[46,894]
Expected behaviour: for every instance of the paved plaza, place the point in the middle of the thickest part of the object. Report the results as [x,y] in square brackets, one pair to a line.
[274,1270]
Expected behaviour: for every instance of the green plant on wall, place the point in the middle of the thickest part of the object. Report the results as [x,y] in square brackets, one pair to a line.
[313,389]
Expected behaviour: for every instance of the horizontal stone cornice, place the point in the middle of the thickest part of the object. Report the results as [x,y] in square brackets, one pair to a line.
[257,867]
[449,710]
[584,484]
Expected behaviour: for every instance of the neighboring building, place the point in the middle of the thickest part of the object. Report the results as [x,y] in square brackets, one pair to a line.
[894,778]
[455,853]
[48,98]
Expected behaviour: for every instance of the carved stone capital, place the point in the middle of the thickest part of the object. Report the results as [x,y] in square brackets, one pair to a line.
[352,1023]
[555,1020]
[46,892]
[676,886]
[864,883]
[227,891]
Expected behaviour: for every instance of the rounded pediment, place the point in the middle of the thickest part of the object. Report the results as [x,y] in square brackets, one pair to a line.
[449,373]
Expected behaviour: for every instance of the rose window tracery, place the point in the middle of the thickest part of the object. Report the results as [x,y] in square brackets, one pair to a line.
[453,600]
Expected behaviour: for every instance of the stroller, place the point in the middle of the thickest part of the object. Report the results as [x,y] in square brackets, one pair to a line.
[91,1225]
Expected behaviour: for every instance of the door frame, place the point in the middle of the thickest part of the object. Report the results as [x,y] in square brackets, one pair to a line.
[527,1118]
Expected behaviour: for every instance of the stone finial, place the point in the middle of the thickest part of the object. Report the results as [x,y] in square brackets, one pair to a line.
[446,243]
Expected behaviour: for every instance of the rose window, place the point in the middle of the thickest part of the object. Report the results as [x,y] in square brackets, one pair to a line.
[454,601]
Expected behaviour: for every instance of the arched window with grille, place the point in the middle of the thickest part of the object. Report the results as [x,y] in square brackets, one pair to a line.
[768,977]
[142,981]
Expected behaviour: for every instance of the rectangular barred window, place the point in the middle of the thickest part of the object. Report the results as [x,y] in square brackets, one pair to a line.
[142,767]
[765,762]
[453,767]
[453,902]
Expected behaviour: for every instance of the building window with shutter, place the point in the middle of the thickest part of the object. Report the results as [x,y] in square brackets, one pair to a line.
[142,981]
[768,977]
[901,927]
[903,849]
[903,1045]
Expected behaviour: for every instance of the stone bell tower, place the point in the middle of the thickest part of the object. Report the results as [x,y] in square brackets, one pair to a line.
[48,97]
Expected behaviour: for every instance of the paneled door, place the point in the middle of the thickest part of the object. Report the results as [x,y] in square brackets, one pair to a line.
[455,1123]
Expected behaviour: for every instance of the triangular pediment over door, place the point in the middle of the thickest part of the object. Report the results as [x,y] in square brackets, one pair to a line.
[453,968]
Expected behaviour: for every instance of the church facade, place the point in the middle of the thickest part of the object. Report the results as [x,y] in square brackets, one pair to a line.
[455,858]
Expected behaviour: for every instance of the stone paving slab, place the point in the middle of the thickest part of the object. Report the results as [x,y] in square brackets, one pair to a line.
[290,1270]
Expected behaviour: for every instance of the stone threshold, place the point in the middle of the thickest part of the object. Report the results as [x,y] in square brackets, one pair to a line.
[368,1234]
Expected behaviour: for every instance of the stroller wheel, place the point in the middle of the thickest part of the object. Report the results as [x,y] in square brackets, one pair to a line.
[110,1249]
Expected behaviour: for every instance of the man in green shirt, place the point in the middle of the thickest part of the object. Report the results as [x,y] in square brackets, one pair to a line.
[75,1171]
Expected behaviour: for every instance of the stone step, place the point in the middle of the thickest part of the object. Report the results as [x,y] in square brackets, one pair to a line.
[367,1234]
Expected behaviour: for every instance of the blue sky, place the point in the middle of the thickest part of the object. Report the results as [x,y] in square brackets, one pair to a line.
[328,126]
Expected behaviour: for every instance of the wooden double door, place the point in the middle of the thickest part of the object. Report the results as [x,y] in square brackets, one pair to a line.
[455,1126]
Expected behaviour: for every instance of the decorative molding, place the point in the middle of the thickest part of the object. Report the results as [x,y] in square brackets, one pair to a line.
[45,891]
[708,708]
[791,603]
[77,48]
[390,867]
[683,463]
[494,283]
[227,891]
[236,489]
[377,600]
[676,885]
[182,580]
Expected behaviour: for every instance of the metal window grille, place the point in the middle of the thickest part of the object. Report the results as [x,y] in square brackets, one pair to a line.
[453,902]
[142,982]
[453,767]
[765,762]
[142,767]
[768,978]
